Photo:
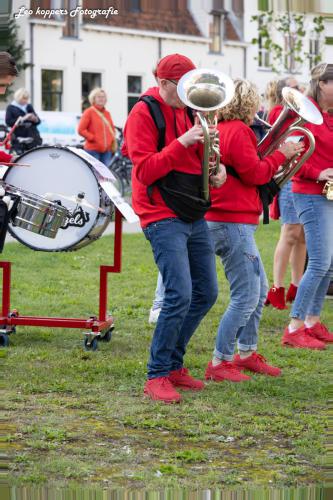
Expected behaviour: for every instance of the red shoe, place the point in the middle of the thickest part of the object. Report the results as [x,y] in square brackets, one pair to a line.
[320,332]
[226,370]
[182,379]
[161,389]
[256,363]
[275,297]
[291,293]
[301,339]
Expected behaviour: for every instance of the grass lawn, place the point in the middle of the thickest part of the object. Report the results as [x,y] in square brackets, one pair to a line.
[79,417]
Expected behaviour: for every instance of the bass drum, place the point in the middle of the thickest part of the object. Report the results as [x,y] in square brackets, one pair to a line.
[65,176]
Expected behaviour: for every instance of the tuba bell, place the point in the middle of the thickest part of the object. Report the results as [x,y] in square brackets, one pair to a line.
[206,91]
[295,103]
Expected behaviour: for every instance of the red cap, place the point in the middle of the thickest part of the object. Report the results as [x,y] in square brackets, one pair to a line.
[173,67]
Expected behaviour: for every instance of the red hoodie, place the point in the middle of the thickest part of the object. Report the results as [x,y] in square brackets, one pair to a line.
[149,165]
[238,199]
[305,181]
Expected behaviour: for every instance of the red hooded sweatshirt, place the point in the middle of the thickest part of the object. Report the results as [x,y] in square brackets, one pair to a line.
[238,199]
[305,181]
[149,165]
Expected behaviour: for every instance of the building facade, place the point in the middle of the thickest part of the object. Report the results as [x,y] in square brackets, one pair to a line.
[73,48]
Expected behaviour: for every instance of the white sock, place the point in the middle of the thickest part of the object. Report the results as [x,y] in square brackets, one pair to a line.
[216,361]
[309,325]
[245,354]
[292,329]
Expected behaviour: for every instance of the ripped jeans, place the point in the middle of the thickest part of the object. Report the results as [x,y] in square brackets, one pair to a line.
[236,246]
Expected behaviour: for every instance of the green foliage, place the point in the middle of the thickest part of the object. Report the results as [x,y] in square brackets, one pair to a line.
[290,26]
[71,415]
[17,49]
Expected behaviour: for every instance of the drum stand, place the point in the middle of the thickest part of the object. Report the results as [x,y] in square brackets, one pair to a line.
[100,328]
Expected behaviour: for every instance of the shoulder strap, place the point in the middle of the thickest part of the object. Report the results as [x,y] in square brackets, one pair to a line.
[157,116]
[107,123]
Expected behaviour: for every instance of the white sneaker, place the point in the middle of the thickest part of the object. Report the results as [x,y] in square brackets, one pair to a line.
[153,315]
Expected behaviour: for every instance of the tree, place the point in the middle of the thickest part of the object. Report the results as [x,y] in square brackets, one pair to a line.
[15,47]
[287,50]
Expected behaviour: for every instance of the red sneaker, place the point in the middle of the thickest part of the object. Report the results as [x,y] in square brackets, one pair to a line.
[320,332]
[226,370]
[256,363]
[301,339]
[291,293]
[182,379]
[161,389]
[275,297]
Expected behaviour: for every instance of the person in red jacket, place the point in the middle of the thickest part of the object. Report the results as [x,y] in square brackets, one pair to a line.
[97,127]
[291,245]
[232,221]
[180,241]
[316,214]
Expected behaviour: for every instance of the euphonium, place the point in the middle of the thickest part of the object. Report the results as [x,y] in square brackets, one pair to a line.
[306,111]
[206,90]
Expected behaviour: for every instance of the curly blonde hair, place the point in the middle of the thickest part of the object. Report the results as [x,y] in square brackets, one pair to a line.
[241,106]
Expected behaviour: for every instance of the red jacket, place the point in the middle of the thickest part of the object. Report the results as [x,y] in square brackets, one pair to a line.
[5,157]
[238,199]
[305,181]
[149,165]
[274,113]
[96,132]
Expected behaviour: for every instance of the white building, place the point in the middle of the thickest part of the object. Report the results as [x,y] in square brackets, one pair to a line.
[71,54]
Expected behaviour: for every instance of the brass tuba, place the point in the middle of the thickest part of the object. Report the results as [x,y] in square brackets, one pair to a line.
[206,91]
[306,111]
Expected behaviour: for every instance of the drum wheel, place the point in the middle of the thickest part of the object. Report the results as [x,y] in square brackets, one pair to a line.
[90,344]
[107,335]
[4,340]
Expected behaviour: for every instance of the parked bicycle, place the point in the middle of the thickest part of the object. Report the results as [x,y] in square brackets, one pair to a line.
[121,167]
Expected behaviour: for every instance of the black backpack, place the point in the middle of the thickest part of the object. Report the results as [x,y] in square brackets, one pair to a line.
[180,191]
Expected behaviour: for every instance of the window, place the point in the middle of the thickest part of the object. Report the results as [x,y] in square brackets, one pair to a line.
[89,82]
[290,63]
[51,90]
[5,7]
[134,89]
[216,34]
[57,5]
[133,5]
[264,59]
[71,28]
[314,51]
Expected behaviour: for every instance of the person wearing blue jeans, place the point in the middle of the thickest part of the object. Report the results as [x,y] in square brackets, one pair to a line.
[233,219]
[185,258]
[180,242]
[315,212]
[103,157]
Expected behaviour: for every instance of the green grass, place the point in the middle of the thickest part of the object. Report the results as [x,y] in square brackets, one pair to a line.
[80,417]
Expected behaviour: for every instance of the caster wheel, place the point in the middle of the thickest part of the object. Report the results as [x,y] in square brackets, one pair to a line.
[93,346]
[4,340]
[107,336]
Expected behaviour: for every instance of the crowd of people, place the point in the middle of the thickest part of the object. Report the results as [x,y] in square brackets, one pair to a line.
[184,247]
[186,231]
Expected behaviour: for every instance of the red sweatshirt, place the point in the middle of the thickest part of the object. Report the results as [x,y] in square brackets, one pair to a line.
[238,199]
[305,181]
[149,165]
[274,113]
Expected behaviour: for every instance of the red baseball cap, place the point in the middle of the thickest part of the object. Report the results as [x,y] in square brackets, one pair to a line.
[173,67]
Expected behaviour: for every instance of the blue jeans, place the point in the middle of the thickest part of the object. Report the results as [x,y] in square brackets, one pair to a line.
[103,157]
[236,246]
[159,293]
[185,257]
[316,215]
[288,214]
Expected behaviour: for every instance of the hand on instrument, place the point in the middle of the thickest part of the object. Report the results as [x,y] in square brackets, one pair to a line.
[220,178]
[326,175]
[195,134]
[290,149]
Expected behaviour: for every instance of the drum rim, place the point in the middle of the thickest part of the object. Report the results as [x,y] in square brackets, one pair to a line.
[68,248]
